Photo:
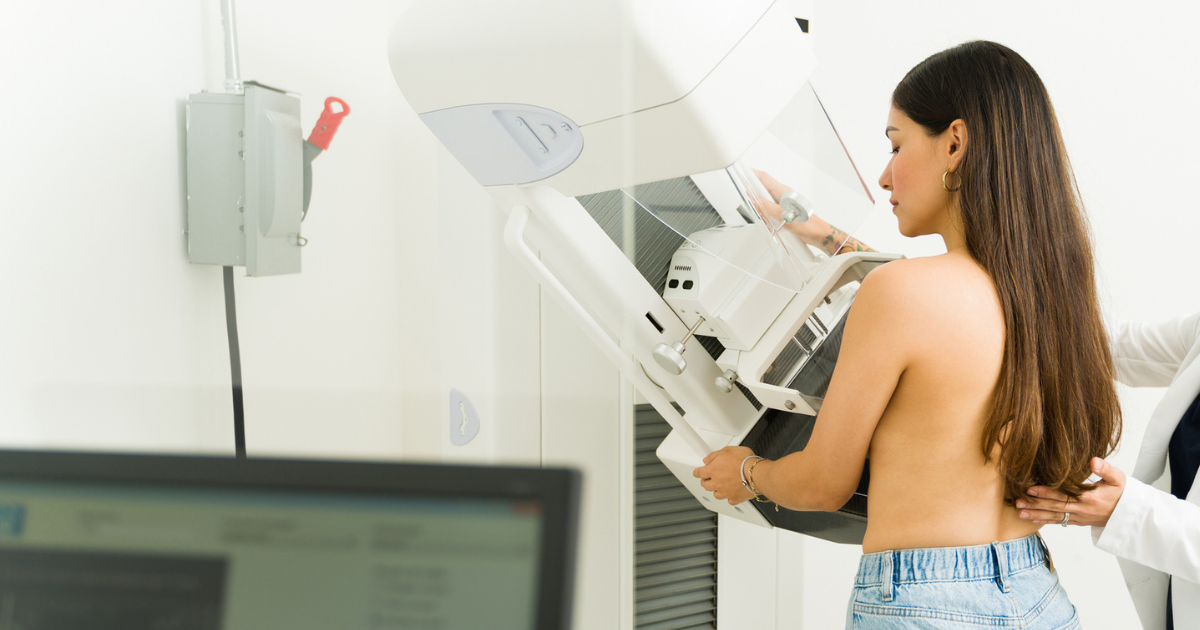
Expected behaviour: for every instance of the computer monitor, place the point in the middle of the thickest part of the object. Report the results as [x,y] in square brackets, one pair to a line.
[102,542]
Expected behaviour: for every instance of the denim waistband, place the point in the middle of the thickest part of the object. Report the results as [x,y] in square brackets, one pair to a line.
[997,560]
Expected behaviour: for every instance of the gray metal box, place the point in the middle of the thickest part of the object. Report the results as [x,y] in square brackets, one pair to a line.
[216,179]
[245,185]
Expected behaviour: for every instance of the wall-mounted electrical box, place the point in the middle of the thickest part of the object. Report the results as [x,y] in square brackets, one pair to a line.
[245,180]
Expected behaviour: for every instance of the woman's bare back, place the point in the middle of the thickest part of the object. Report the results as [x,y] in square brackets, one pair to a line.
[931,485]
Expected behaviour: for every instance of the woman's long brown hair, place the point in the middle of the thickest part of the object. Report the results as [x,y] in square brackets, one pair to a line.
[1055,406]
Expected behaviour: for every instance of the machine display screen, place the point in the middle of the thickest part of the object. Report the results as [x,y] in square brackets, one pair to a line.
[108,557]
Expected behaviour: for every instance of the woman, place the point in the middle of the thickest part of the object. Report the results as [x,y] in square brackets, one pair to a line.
[965,378]
[1155,533]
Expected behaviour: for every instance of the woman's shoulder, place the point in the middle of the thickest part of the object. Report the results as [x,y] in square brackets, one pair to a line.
[929,275]
[931,290]
[932,267]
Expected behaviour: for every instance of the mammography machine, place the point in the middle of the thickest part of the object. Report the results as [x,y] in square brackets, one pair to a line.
[622,139]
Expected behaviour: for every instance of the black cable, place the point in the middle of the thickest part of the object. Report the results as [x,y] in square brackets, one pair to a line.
[235,367]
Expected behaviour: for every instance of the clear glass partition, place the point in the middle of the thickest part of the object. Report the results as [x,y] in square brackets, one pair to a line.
[803,158]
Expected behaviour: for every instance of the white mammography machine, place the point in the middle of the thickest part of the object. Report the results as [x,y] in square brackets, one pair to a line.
[621,138]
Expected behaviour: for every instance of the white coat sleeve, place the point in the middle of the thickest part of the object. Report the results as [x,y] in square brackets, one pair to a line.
[1155,529]
[1149,354]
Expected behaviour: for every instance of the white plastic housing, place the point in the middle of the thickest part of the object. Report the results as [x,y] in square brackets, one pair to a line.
[589,61]
[729,276]
[658,88]
[752,365]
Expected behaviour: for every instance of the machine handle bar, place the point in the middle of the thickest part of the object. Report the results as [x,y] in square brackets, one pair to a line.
[514,237]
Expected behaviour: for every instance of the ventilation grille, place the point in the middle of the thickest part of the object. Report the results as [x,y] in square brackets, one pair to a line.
[813,381]
[785,363]
[809,368]
[676,201]
[675,566]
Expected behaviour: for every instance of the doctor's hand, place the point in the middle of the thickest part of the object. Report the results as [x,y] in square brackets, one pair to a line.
[1045,506]
[720,474]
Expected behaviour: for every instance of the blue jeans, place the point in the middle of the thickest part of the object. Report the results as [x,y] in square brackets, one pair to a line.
[1001,585]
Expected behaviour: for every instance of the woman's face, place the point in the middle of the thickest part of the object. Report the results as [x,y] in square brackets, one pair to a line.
[914,177]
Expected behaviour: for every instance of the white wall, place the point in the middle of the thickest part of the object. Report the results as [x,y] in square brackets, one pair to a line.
[110,338]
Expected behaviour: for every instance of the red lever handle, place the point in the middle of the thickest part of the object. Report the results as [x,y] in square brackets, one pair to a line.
[327,124]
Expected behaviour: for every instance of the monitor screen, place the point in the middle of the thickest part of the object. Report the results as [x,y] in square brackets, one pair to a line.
[82,553]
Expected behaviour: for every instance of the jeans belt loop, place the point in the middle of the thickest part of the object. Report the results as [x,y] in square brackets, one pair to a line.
[888,575]
[1001,556]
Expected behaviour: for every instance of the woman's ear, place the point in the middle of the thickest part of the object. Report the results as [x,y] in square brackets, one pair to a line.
[956,143]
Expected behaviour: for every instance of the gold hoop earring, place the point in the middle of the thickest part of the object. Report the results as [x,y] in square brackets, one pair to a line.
[949,189]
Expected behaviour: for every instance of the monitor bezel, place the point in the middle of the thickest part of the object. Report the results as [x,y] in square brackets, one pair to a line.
[557,490]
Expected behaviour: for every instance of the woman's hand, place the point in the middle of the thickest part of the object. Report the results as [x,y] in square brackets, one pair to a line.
[774,187]
[770,207]
[721,474]
[1045,506]
[815,231]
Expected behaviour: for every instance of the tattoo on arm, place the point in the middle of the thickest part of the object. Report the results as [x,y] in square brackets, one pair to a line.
[853,245]
[838,242]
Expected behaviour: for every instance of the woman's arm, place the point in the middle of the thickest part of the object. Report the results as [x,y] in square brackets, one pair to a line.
[819,233]
[815,231]
[873,355]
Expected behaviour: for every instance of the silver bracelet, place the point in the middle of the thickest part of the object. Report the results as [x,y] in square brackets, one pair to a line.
[742,472]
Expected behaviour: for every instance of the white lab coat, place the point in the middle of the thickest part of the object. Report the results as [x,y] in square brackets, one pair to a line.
[1153,534]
